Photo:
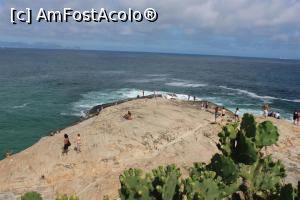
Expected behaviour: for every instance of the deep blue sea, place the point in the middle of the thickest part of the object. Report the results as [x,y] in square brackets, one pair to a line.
[43,90]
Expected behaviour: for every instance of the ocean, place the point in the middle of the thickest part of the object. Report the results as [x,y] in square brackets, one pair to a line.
[44,90]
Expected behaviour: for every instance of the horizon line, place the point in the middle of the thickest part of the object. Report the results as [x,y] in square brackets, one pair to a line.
[152,52]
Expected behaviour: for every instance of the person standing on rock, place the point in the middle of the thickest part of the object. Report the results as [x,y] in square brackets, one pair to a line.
[223,113]
[206,105]
[237,115]
[67,143]
[78,143]
[295,117]
[216,113]
[266,109]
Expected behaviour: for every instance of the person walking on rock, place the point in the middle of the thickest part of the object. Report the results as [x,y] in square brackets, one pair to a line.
[67,143]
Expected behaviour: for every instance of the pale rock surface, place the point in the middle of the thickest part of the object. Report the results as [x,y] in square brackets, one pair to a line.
[161,132]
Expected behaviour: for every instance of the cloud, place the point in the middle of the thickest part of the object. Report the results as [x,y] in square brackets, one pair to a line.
[207,23]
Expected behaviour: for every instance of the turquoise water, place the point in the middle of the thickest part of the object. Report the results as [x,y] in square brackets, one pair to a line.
[43,90]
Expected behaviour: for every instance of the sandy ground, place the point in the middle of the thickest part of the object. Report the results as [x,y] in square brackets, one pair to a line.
[161,132]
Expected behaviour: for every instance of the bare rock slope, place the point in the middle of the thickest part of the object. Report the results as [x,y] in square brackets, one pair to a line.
[161,132]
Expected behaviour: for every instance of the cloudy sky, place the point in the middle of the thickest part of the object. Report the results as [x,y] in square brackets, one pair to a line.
[259,28]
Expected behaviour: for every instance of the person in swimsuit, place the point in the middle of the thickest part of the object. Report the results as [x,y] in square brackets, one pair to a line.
[78,143]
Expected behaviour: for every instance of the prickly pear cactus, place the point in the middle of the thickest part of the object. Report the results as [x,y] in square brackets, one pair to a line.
[62,197]
[197,170]
[205,184]
[106,197]
[298,192]
[225,168]
[31,196]
[202,184]
[289,193]
[134,186]
[266,134]
[65,197]
[264,177]
[229,130]
[245,150]
[226,139]
[73,197]
[205,188]
[248,125]
[166,182]
[269,177]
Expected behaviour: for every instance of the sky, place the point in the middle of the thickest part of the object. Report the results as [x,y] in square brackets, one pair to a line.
[254,28]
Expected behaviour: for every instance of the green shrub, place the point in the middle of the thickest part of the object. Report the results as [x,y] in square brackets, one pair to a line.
[31,196]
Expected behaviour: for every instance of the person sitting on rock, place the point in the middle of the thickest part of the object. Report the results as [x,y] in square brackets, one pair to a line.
[8,154]
[128,116]
[277,115]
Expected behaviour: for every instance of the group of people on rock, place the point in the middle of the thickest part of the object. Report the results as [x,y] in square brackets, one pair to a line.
[268,113]
[67,144]
[204,105]
[219,112]
[189,97]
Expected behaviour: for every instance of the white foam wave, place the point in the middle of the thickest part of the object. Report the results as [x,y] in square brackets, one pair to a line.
[185,83]
[20,106]
[177,96]
[254,95]
[159,79]
[157,75]
[247,110]
[113,72]
[94,98]
[81,114]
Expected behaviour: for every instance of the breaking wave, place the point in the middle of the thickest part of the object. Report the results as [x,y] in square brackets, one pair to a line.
[20,106]
[254,95]
[185,83]
[147,80]
[91,99]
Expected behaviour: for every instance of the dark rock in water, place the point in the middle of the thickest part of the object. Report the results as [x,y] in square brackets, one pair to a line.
[98,108]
